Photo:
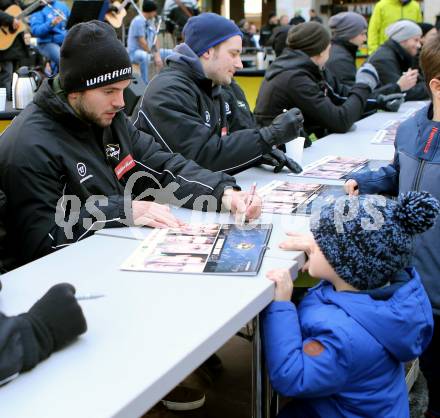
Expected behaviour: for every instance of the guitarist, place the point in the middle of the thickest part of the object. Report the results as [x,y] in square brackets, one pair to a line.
[49,26]
[15,52]
[142,40]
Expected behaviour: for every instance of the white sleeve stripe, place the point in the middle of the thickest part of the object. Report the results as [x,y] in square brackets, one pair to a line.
[163,140]
[8,379]
[242,164]
[91,226]
[154,128]
[168,171]
[97,222]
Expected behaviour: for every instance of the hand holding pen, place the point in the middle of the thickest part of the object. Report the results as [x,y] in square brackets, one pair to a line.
[245,205]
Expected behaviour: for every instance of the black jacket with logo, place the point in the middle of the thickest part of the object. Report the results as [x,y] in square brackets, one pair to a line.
[186,114]
[49,154]
[390,61]
[294,80]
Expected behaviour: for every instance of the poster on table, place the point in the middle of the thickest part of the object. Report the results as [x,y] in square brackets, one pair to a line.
[203,248]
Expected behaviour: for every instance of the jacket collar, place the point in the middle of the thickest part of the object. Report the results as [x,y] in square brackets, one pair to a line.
[403,56]
[351,48]
[184,59]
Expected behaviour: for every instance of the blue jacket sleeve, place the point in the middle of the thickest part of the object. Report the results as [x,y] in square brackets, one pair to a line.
[385,180]
[40,25]
[292,371]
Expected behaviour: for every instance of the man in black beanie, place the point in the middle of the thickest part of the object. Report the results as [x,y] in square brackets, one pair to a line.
[51,323]
[66,163]
[296,79]
[193,105]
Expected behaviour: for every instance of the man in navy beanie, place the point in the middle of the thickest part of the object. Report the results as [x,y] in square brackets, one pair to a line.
[194,107]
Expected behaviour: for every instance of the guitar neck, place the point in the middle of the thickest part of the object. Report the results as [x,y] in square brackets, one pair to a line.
[29,10]
[123,4]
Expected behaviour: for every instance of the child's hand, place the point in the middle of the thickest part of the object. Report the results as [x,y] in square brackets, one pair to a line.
[351,187]
[298,242]
[283,284]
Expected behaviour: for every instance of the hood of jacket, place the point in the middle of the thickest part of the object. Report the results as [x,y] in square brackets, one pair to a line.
[187,59]
[404,56]
[351,48]
[52,100]
[292,59]
[398,316]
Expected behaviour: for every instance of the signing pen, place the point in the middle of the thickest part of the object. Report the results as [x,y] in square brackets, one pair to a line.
[88,296]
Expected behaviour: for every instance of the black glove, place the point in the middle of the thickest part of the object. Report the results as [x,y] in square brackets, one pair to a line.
[278,159]
[284,128]
[57,315]
[390,102]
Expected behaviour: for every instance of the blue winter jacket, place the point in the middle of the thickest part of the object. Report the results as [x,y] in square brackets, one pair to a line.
[366,338]
[42,28]
[416,166]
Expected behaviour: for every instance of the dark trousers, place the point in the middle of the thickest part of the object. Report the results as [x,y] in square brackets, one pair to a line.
[430,366]
[6,70]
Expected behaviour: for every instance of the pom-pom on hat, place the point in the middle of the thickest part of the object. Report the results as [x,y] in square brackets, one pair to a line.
[368,238]
[208,30]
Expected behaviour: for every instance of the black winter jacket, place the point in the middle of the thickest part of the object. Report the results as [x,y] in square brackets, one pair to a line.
[342,65]
[186,114]
[49,154]
[390,61]
[294,80]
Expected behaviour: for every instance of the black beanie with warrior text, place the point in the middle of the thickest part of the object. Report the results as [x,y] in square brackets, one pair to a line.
[92,56]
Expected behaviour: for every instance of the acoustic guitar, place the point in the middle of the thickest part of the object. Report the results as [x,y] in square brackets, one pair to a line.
[7,36]
[115,18]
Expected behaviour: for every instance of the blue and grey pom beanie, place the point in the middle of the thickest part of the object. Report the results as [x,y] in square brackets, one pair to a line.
[368,238]
[208,30]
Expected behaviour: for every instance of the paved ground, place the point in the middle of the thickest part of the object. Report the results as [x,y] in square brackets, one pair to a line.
[230,395]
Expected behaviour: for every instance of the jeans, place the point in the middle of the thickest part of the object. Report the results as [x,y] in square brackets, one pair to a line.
[430,366]
[143,58]
[52,52]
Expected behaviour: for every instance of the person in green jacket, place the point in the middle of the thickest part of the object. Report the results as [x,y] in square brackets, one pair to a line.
[387,12]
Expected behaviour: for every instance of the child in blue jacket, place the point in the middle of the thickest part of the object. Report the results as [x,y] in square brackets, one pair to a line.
[416,166]
[341,353]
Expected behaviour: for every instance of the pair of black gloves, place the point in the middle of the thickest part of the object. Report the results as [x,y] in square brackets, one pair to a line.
[55,319]
[284,128]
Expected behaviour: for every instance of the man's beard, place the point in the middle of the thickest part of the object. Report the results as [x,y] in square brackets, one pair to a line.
[90,116]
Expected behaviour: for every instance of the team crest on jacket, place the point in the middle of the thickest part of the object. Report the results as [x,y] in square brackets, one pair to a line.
[82,170]
[112,151]
[207,118]
[227,108]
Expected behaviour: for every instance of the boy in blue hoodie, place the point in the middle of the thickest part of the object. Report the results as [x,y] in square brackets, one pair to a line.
[416,167]
[341,353]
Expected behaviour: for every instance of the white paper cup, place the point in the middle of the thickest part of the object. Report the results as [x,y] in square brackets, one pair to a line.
[295,148]
[260,60]
[2,99]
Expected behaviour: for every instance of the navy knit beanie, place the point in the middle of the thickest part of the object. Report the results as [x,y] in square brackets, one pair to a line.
[367,239]
[208,30]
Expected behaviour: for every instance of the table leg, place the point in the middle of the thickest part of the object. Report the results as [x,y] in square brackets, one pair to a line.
[261,390]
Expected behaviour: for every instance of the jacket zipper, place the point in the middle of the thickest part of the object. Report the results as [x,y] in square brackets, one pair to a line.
[416,183]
